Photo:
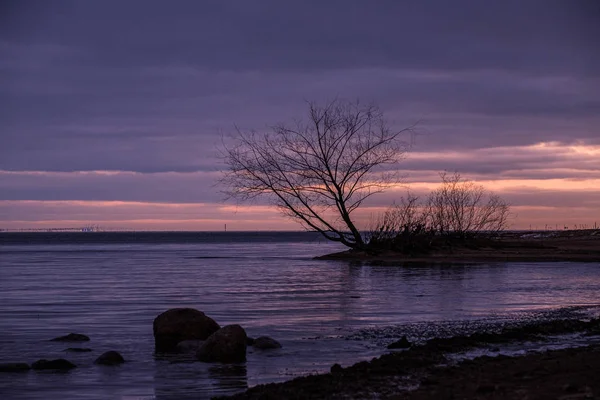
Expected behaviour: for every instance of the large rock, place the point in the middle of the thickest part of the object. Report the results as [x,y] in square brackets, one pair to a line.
[266,343]
[14,367]
[179,324]
[110,358]
[71,337]
[226,345]
[58,364]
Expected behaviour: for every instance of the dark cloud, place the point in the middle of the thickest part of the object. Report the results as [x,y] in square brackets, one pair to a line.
[533,35]
[103,186]
[150,86]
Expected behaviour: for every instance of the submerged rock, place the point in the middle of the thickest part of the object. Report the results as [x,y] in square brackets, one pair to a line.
[71,337]
[58,364]
[110,358]
[78,350]
[226,345]
[400,344]
[265,343]
[178,324]
[14,367]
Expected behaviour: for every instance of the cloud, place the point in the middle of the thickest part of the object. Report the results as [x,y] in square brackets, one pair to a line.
[172,187]
[146,88]
[120,215]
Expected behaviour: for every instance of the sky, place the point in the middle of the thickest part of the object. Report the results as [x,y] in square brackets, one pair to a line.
[112,112]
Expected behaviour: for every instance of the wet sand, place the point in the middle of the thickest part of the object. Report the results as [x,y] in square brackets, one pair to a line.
[535,246]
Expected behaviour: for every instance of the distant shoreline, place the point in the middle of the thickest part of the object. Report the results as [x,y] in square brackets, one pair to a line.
[527,246]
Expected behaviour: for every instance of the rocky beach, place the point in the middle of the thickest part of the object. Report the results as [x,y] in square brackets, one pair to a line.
[428,370]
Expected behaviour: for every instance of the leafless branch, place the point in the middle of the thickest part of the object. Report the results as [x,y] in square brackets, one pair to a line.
[319,171]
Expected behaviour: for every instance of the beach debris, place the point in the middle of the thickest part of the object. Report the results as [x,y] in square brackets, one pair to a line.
[110,358]
[71,337]
[227,345]
[58,364]
[14,367]
[178,324]
[266,343]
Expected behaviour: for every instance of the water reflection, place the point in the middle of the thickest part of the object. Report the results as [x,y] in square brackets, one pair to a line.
[229,377]
[198,380]
[272,289]
[416,290]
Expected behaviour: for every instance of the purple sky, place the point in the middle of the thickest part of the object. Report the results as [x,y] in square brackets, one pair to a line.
[111,112]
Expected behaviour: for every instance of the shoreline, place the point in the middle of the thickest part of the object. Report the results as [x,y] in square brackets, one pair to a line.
[534,246]
[425,371]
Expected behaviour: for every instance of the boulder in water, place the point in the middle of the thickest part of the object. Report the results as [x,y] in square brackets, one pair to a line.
[179,324]
[266,343]
[71,337]
[227,345]
[110,358]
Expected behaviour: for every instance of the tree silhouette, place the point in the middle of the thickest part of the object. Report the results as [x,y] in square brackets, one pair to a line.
[318,171]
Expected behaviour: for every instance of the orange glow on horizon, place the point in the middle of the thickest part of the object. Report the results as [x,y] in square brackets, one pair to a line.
[578,160]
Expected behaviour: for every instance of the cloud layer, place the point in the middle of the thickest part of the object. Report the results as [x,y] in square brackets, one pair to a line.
[116,102]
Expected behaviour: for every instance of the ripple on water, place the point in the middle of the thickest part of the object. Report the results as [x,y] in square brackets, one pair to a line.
[322,312]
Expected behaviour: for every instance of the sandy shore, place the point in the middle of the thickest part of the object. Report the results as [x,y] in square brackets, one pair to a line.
[424,372]
[582,245]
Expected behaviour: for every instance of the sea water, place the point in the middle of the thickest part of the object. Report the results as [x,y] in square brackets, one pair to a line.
[110,286]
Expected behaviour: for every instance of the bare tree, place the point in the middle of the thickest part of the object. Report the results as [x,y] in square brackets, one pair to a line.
[462,207]
[408,215]
[320,171]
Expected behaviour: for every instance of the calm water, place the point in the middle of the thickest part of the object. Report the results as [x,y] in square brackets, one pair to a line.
[111,286]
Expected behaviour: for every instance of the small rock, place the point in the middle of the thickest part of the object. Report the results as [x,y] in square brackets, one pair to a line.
[78,350]
[249,341]
[14,367]
[400,344]
[265,343]
[189,346]
[58,364]
[71,337]
[110,358]
[495,349]
[227,345]
[336,369]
